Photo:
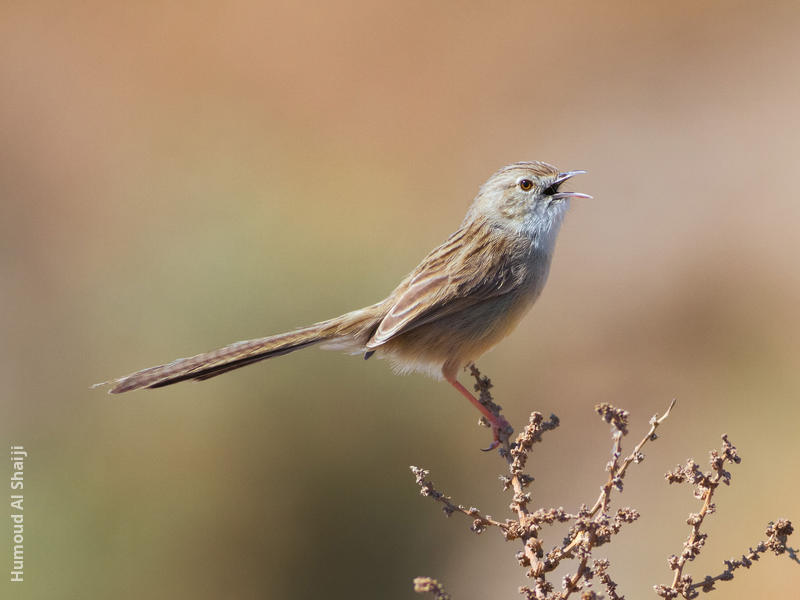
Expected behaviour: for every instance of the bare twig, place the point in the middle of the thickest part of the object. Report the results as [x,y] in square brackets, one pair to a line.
[776,543]
[479,523]
[427,585]
[616,471]
[705,485]
[593,527]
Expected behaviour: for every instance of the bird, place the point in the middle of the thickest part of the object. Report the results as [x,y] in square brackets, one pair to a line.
[463,298]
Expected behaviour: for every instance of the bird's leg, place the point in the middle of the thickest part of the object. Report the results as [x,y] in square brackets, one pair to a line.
[497,421]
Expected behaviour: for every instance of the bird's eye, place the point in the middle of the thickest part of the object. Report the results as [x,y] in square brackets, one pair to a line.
[525,185]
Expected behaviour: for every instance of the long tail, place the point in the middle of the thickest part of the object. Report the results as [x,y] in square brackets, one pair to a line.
[350,331]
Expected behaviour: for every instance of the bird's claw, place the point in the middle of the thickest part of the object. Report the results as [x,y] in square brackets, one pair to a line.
[499,425]
[492,446]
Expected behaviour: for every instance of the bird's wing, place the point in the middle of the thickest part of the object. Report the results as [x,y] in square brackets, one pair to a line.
[474,264]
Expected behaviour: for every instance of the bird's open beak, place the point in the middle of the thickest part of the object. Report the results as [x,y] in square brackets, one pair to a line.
[562,177]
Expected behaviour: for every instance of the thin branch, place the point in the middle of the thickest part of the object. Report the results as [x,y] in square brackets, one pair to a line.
[776,533]
[479,523]
[616,472]
[428,585]
[595,526]
[596,520]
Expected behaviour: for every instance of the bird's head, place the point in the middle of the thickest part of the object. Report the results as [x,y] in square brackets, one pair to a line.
[525,197]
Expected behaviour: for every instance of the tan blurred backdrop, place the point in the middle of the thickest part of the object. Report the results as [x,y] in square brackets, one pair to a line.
[176,177]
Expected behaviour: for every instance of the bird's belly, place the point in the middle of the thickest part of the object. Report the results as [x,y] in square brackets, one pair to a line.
[458,339]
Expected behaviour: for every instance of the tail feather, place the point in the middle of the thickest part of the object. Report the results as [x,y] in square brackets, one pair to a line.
[352,329]
[218,369]
[216,362]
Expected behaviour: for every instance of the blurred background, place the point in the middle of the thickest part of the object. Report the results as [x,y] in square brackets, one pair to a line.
[177,177]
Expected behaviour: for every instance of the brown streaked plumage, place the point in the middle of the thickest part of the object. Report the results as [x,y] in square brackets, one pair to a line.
[463,298]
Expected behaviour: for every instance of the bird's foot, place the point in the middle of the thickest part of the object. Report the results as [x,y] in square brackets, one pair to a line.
[501,430]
